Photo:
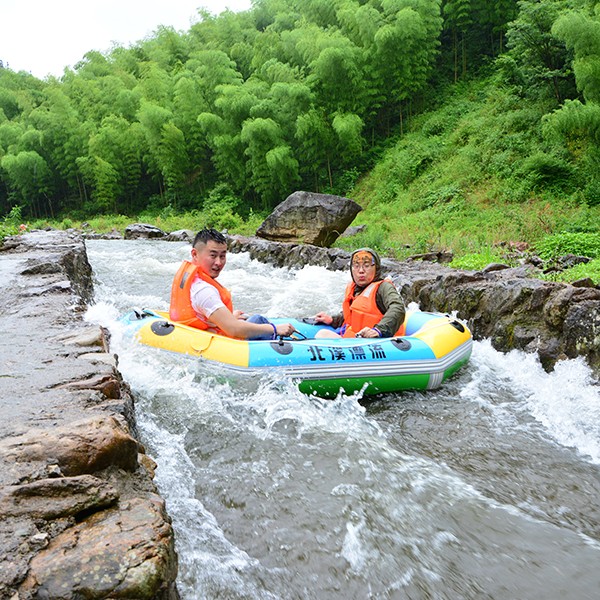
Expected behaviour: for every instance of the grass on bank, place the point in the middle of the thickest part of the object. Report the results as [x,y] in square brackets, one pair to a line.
[472,177]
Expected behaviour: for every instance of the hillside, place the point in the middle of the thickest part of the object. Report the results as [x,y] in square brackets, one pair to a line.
[473,176]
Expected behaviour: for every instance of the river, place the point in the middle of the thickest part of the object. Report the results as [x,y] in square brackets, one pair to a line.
[487,488]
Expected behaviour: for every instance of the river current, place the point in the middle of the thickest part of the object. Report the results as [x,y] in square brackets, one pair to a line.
[487,488]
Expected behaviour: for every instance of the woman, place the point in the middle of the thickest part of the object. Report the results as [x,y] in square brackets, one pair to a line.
[372,306]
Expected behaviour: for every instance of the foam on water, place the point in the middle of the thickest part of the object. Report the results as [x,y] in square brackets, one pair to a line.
[565,402]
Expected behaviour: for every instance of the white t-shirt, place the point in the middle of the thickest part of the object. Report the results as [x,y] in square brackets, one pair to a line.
[205,300]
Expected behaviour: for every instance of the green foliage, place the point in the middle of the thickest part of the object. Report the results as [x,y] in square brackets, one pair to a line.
[581,33]
[539,62]
[589,270]
[581,244]
[487,177]
[12,223]
[446,194]
[477,260]
[411,107]
[591,192]
[546,169]
[219,209]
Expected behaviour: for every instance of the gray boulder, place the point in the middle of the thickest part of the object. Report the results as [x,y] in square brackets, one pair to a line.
[309,218]
[181,235]
[143,231]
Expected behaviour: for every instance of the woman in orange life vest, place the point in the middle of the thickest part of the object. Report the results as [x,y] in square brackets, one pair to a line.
[372,306]
[198,300]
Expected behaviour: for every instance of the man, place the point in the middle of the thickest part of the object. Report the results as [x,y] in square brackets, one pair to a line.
[198,300]
[372,306]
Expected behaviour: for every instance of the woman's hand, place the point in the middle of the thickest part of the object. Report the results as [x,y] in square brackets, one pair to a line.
[367,332]
[323,317]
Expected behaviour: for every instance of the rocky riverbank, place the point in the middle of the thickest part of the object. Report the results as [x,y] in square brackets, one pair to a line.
[80,516]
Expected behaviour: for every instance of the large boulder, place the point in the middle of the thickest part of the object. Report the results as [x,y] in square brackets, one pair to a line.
[305,217]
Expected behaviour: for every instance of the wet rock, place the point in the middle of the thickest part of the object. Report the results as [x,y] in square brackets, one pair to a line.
[181,235]
[581,329]
[56,497]
[571,260]
[83,447]
[125,552]
[585,282]
[440,257]
[495,267]
[90,336]
[353,230]
[114,234]
[283,254]
[143,231]
[68,448]
[60,263]
[309,218]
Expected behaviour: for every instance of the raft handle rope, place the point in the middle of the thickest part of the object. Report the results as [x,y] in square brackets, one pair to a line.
[298,335]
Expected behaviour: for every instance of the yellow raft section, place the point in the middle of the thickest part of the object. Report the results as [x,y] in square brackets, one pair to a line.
[197,342]
[437,333]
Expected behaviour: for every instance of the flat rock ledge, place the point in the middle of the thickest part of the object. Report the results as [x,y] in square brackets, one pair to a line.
[506,305]
[80,516]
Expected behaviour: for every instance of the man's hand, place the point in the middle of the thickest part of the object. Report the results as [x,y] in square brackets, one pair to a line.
[285,329]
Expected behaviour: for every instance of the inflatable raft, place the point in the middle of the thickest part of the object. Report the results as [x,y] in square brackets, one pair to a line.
[432,348]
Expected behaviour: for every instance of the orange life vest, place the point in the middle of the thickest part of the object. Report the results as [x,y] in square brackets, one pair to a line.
[181,309]
[361,311]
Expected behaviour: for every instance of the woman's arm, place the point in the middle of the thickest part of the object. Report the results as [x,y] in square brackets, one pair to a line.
[391,305]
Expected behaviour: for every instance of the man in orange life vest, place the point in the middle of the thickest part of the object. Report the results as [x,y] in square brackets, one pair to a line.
[197,299]
[372,306]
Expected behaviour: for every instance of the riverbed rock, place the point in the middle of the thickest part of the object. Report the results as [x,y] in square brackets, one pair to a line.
[125,552]
[76,487]
[57,497]
[181,235]
[309,218]
[288,254]
[143,231]
[85,446]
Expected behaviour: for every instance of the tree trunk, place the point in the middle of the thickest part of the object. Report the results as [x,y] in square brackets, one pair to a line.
[455,47]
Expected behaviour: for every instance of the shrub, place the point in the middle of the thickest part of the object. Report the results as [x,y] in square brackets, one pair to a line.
[476,261]
[581,244]
[11,224]
[442,195]
[219,209]
[546,169]
[592,193]
[591,270]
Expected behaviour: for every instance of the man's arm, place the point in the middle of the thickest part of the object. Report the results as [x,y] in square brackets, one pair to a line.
[238,328]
